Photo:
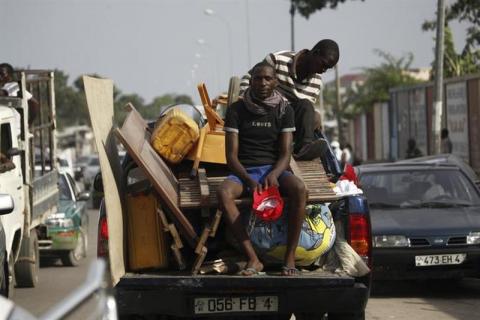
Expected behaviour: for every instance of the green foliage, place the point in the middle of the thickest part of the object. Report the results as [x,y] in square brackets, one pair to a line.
[392,72]
[468,60]
[307,7]
[72,107]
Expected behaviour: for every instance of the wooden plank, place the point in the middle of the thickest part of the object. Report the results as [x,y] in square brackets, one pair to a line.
[203,240]
[164,220]
[177,254]
[212,117]
[216,222]
[312,173]
[136,140]
[199,261]
[199,151]
[204,189]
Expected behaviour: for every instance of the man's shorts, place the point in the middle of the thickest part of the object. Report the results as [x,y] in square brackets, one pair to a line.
[258,174]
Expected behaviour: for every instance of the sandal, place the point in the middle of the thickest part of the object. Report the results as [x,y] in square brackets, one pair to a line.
[249,272]
[290,271]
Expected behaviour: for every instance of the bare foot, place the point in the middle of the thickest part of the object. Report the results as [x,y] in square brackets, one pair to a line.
[290,271]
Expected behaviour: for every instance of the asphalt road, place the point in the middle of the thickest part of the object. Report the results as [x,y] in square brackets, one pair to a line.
[55,280]
[390,300]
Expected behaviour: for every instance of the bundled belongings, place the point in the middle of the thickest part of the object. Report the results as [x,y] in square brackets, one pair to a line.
[316,237]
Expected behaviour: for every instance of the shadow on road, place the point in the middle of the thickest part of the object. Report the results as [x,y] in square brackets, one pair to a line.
[466,288]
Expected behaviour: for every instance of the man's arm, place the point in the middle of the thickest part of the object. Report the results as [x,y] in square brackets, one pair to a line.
[231,150]
[283,161]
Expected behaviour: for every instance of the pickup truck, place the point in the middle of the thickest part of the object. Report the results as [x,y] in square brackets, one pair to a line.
[28,172]
[173,293]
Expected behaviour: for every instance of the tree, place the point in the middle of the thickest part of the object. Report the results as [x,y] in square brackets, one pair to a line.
[468,60]
[119,112]
[153,110]
[71,108]
[307,7]
[392,72]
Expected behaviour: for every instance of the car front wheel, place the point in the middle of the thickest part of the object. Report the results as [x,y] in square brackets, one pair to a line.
[72,258]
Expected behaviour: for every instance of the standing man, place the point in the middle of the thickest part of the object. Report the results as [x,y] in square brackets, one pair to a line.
[258,148]
[446,143]
[10,88]
[299,80]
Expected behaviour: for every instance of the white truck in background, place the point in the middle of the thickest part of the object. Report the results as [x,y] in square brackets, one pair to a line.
[32,179]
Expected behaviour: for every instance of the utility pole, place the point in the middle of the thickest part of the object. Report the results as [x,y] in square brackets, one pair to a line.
[438,94]
[339,106]
[292,24]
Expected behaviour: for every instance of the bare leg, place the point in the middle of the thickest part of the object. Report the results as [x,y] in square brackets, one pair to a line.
[226,194]
[294,188]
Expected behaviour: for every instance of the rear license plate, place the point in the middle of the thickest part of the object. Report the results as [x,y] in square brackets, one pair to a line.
[440,259]
[236,304]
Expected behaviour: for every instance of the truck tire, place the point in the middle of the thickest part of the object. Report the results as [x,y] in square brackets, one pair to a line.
[233,90]
[11,276]
[26,269]
[72,258]
[4,278]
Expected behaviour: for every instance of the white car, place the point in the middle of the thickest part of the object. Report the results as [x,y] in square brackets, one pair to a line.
[91,169]
[64,166]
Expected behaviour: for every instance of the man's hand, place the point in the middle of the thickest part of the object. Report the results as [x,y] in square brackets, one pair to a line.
[254,186]
[271,180]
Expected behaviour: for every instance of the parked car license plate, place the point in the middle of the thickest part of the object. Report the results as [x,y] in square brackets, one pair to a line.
[236,304]
[440,259]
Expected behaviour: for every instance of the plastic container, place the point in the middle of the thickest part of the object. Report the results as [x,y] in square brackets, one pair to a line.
[174,135]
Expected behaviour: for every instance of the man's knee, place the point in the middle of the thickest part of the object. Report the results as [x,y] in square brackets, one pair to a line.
[295,187]
[225,194]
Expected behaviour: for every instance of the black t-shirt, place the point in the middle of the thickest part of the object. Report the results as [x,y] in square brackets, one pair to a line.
[258,135]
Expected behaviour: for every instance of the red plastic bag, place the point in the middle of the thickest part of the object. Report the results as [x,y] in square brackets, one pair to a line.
[268,205]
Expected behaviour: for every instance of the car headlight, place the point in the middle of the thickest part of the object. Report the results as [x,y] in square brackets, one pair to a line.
[59,220]
[385,241]
[473,238]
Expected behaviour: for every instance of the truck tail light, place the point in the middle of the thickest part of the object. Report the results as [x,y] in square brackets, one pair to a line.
[102,245]
[360,238]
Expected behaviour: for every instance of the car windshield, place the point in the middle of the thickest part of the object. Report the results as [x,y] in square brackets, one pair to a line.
[93,162]
[418,188]
[65,193]
[82,160]
[63,162]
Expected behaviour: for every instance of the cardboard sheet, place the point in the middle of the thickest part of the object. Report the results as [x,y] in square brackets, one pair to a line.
[99,93]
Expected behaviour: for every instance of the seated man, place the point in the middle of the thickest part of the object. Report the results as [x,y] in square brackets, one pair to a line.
[10,88]
[258,149]
[299,77]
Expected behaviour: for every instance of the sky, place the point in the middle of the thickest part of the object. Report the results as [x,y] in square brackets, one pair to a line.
[155,47]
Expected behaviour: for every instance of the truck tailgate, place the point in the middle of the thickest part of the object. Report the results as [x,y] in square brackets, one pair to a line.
[312,292]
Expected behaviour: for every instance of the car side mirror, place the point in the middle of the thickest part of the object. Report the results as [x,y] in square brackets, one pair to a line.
[13,152]
[84,196]
[6,203]
[98,183]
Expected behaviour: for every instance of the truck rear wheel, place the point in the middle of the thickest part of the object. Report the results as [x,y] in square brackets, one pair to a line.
[26,269]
